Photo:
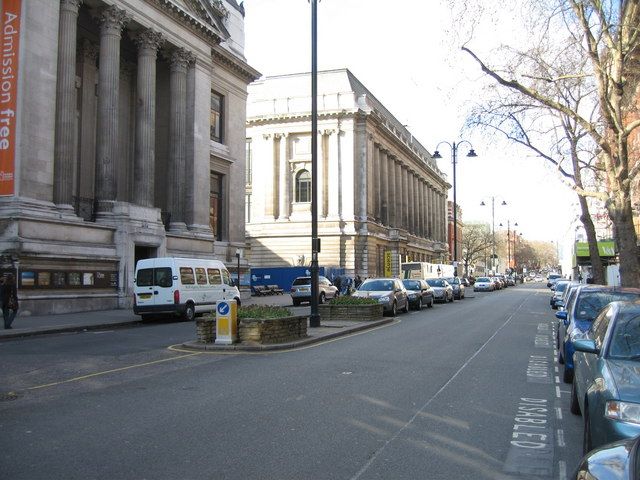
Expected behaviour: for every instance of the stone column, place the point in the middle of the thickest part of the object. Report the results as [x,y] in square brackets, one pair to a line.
[145,154]
[431,211]
[391,169]
[112,21]
[65,148]
[411,205]
[377,203]
[423,209]
[405,198]
[179,61]
[370,175]
[283,210]
[398,197]
[384,188]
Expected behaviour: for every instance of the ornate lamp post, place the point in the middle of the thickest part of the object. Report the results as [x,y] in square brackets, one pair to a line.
[493,229]
[509,242]
[454,149]
[314,318]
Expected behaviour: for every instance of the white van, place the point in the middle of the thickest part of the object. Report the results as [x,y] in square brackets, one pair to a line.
[181,286]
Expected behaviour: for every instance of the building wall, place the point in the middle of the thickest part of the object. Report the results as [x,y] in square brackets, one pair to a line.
[72,242]
[379,190]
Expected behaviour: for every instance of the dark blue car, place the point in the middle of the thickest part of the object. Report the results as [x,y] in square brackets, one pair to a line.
[580,312]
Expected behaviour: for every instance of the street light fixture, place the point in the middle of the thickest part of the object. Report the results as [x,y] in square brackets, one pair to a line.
[314,317]
[493,228]
[509,241]
[472,153]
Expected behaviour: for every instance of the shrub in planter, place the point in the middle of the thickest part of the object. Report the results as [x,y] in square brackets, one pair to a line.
[263,311]
[347,300]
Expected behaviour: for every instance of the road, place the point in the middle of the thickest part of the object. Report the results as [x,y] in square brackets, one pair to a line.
[463,390]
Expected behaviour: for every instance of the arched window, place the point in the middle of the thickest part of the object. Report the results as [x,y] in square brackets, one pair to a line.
[303,186]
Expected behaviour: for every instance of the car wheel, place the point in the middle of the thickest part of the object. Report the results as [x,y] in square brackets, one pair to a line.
[560,357]
[575,406]
[451,299]
[419,306]
[430,304]
[405,309]
[296,302]
[189,313]
[586,439]
[394,309]
[567,375]
[322,298]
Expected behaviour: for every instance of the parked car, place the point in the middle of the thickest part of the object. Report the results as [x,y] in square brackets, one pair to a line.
[301,290]
[503,280]
[511,281]
[390,292]
[420,293]
[552,279]
[458,287]
[483,284]
[558,290]
[582,308]
[497,284]
[442,290]
[606,377]
[614,461]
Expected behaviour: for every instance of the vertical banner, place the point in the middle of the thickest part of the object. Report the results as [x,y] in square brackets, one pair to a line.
[387,263]
[9,55]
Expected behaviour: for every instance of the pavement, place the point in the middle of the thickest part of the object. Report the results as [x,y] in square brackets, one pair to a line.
[36,325]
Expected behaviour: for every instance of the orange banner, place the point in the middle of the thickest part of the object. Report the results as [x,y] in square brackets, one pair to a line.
[9,54]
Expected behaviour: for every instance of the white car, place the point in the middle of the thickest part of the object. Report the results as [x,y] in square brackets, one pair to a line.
[484,284]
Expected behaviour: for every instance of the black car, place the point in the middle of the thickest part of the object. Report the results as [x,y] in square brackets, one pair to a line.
[458,287]
[419,293]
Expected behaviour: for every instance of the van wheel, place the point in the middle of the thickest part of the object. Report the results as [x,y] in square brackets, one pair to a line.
[322,298]
[189,313]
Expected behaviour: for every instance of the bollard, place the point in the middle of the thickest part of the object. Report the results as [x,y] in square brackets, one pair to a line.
[226,322]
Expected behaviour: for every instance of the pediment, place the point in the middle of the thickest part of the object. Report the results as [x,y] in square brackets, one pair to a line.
[211,12]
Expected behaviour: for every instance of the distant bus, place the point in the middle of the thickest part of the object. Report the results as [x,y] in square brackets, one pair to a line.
[422,270]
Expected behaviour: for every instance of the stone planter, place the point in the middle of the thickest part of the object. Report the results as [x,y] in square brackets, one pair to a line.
[206,329]
[357,313]
[272,330]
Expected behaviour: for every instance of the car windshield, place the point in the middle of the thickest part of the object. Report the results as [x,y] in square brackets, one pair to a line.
[434,282]
[625,338]
[452,280]
[302,281]
[483,279]
[411,284]
[561,286]
[377,285]
[589,304]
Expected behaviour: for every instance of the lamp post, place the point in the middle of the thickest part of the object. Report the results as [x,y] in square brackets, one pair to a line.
[509,242]
[454,150]
[493,229]
[238,256]
[314,317]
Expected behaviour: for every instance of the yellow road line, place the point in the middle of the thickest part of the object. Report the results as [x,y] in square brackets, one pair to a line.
[84,377]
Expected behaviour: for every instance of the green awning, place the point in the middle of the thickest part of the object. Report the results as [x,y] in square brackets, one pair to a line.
[605,249]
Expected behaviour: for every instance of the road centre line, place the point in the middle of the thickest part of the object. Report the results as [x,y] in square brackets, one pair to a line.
[379,451]
[114,370]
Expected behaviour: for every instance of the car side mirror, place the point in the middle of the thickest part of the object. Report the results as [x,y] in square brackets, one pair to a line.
[586,346]
[561,315]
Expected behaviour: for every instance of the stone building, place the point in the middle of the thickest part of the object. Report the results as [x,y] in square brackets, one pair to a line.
[381,197]
[127,136]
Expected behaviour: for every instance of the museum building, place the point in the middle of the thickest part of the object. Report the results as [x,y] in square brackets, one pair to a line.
[381,197]
[125,139]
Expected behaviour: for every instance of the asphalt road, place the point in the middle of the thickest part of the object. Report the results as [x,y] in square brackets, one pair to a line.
[463,390]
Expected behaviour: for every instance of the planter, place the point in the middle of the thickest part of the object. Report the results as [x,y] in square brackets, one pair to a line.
[272,330]
[356,313]
[206,329]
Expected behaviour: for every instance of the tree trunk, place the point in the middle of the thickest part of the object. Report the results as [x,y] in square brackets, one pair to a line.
[625,234]
[597,270]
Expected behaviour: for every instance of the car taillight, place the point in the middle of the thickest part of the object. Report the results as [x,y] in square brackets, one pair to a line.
[176,297]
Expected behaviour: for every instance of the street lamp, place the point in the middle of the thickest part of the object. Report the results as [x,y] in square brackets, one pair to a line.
[493,228]
[509,242]
[454,149]
[314,317]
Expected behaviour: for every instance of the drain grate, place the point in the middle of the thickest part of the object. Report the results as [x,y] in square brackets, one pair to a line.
[7,397]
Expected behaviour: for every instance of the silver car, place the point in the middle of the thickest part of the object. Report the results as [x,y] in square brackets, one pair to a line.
[390,292]
[301,290]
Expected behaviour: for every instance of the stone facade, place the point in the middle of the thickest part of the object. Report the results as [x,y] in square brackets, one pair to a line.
[381,197]
[115,156]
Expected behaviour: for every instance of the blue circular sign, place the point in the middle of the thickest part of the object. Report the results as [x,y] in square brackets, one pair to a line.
[223,308]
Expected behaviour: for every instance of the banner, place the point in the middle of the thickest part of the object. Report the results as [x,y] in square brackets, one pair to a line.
[387,263]
[9,55]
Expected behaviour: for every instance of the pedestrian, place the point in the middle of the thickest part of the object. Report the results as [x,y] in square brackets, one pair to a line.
[9,297]
[338,283]
[358,282]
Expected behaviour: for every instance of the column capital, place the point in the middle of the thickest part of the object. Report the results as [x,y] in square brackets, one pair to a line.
[71,5]
[88,51]
[180,58]
[112,20]
[148,42]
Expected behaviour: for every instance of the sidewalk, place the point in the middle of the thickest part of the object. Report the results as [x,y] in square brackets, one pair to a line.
[32,325]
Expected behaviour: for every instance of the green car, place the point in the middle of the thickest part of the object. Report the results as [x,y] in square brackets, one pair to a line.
[606,382]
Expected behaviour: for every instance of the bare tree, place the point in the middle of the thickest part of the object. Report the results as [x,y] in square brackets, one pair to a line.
[476,243]
[608,37]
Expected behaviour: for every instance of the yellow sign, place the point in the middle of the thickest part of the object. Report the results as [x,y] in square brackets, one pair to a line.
[226,322]
[387,263]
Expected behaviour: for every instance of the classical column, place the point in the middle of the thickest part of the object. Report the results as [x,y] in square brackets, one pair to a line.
[384,188]
[377,203]
[423,209]
[405,198]
[179,61]
[370,175]
[269,183]
[398,196]
[283,210]
[431,210]
[145,155]
[411,205]
[391,168]
[65,148]
[87,160]
[112,21]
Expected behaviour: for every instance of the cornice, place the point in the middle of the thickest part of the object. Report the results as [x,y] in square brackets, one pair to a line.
[237,65]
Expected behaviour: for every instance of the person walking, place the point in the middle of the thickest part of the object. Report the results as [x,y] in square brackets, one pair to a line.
[9,298]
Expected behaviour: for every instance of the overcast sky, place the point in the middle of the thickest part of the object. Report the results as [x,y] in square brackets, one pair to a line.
[407,53]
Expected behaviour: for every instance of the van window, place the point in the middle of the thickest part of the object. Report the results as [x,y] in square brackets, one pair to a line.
[144,277]
[163,277]
[186,276]
[226,278]
[214,276]
[201,276]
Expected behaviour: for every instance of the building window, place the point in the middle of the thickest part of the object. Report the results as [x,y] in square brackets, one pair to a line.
[217,117]
[303,186]
[216,201]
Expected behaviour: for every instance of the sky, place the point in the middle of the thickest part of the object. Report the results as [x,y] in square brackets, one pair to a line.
[407,53]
